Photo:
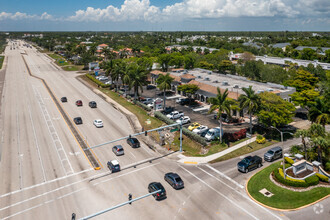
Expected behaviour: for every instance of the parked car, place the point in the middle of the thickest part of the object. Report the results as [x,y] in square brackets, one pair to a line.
[200,129]
[249,163]
[78,120]
[203,133]
[148,101]
[185,101]
[133,142]
[154,186]
[184,119]
[98,123]
[178,100]
[273,154]
[149,87]
[175,115]
[193,126]
[64,99]
[118,150]
[79,103]
[213,134]
[92,104]
[168,110]
[113,166]
[108,82]
[174,180]
[151,105]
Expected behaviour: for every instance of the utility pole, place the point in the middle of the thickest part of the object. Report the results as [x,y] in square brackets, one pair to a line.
[181,136]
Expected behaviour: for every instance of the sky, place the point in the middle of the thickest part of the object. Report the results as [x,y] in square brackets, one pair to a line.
[165,15]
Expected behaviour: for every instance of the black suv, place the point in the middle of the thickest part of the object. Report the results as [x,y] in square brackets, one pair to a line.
[168,110]
[78,120]
[92,104]
[174,180]
[185,101]
[154,186]
[133,142]
[249,163]
[64,99]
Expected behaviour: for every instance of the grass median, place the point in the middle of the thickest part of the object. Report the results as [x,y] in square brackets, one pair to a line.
[2,58]
[282,198]
[254,146]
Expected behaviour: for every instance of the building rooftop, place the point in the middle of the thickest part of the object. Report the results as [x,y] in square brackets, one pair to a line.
[233,83]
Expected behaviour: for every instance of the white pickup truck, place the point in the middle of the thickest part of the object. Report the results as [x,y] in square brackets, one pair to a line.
[175,115]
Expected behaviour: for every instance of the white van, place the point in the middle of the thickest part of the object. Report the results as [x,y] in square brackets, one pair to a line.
[213,134]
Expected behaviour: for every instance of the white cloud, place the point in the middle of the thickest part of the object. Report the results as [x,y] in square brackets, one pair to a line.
[24,16]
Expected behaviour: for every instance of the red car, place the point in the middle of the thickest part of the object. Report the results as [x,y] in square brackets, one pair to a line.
[79,103]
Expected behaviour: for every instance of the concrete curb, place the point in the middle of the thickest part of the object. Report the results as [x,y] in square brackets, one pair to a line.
[277,209]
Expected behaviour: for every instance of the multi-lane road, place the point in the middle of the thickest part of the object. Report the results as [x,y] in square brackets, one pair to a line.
[44,172]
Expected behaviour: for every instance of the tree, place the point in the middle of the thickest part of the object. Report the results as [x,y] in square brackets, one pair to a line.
[303,134]
[303,80]
[274,110]
[164,83]
[226,65]
[93,49]
[321,144]
[319,112]
[190,89]
[247,56]
[251,69]
[251,101]
[138,78]
[189,61]
[117,71]
[305,98]
[222,104]
[164,60]
[319,138]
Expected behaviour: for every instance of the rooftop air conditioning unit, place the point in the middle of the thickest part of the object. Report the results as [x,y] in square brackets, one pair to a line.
[270,89]
[215,81]
[209,72]
[236,86]
[225,83]
[207,79]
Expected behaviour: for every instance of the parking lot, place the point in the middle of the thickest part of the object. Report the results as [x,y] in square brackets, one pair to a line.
[201,117]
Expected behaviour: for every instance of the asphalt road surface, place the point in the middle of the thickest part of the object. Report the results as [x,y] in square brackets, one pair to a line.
[44,173]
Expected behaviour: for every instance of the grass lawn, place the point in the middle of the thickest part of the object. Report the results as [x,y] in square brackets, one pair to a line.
[55,56]
[244,150]
[2,58]
[237,142]
[282,198]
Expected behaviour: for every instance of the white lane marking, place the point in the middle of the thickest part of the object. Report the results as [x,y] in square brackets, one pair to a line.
[132,154]
[20,158]
[37,145]
[57,142]
[49,181]
[146,149]
[17,213]
[239,193]
[225,176]
[231,201]
[65,195]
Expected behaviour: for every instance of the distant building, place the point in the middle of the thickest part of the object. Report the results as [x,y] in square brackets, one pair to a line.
[280,45]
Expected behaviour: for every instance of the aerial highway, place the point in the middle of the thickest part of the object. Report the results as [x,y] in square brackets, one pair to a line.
[44,172]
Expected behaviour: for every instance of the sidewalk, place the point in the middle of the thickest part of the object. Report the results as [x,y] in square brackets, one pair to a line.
[201,160]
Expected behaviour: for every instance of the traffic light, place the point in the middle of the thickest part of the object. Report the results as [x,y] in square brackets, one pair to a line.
[130,198]
[146,133]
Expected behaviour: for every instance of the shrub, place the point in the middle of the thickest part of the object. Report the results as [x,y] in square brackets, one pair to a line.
[185,131]
[121,92]
[232,137]
[99,83]
[289,160]
[312,180]
[279,176]
[322,177]
[261,141]
[145,107]
[327,166]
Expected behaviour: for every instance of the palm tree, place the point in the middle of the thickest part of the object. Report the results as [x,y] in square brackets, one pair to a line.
[109,67]
[138,78]
[164,82]
[303,134]
[92,49]
[222,104]
[319,112]
[117,72]
[321,144]
[251,101]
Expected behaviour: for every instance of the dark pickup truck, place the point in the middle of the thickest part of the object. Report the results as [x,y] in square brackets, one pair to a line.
[249,163]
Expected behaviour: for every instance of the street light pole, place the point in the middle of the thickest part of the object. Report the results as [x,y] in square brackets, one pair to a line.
[181,136]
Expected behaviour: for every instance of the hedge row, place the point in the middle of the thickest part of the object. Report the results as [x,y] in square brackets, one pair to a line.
[185,131]
[145,107]
[322,177]
[98,82]
[309,181]
[289,160]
